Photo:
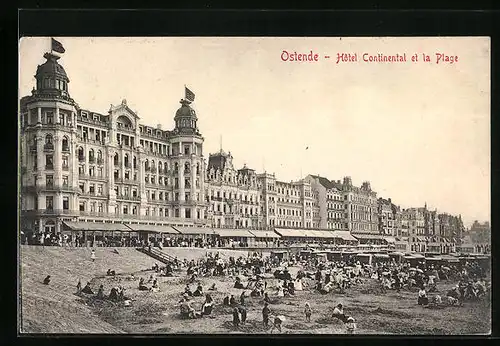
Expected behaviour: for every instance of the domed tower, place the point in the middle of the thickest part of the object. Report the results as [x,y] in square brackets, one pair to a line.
[49,174]
[186,119]
[188,165]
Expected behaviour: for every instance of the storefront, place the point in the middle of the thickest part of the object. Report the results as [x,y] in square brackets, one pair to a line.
[235,237]
[99,233]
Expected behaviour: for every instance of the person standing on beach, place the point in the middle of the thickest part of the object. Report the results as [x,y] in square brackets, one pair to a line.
[92,255]
[265,315]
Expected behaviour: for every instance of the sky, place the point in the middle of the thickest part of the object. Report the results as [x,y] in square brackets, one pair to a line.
[418,131]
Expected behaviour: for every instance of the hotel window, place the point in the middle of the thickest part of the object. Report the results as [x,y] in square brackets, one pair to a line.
[35,159]
[49,162]
[186,150]
[99,172]
[176,212]
[92,171]
[153,180]
[99,190]
[166,212]
[92,188]
[176,196]
[92,207]
[115,175]
[49,202]
[187,196]
[160,180]
[125,191]
[82,187]
[65,203]
[117,191]
[100,208]
[49,180]
[160,196]
[65,181]
[134,193]
[127,175]
[153,195]
[187,183]
[176,184]
[50,117]
[188,213]
[65,161]
[197,196]
[134,210]
[125,210]
[82,206]
[146,178]
[147,211]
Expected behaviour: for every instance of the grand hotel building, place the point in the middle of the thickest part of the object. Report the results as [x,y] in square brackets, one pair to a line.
[80,165]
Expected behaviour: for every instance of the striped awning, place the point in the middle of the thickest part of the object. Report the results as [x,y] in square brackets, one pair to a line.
[229,233]
[194,230]
[344,235]
[288,232]
[96,226]
[264,234]
[153,228]
[367,236]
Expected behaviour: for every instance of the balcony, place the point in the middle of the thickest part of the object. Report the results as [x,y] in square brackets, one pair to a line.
[49,212]
[81,158]
[116,163]
[49,166]
[127,164]
[65,149]
[100,161]
[128,198]
[48,147]
[91,159]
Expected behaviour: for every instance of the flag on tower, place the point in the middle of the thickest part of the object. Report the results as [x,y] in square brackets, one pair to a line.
[57,46]
[189,95]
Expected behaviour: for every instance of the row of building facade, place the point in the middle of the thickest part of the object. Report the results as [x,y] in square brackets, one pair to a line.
[80,165]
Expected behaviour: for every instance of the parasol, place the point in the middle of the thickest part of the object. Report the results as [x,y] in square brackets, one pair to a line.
[413,269]
[446,268]
[420,270]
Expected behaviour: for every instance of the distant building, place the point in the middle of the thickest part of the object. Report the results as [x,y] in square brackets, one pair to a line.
[232,195]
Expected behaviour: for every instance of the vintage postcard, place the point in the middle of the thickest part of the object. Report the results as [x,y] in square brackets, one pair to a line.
[216,185]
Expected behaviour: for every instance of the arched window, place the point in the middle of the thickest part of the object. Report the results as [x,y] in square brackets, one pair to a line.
[65,144]
[115,159]
[127,164]
[81,155]
[146,164]
[91,155]
[165,167]
[160,166]
[187,167]
[99,155]
[48,139]
[153,164]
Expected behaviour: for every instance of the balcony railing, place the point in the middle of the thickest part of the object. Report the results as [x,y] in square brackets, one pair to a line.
[49,166]
[129,198]
[100,161]
[65,149]
[91,159]
[81,158]
[48,147]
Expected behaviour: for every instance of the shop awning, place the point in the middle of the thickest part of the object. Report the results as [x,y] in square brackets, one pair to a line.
[311,233]
[417,255]
[96,226]
[344,235]
[396,254]
[264,234]
[287,232]
[153,228]
[367,236]
[381,255]
[194,230]
[229,233]
[391,240]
